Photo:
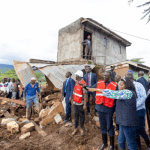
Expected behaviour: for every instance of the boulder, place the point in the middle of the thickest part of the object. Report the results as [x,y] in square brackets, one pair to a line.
[49,114]
[6,121]
[13,127]
[27,128]
[24,136]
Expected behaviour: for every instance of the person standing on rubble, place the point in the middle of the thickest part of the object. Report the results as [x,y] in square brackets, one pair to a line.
[79,102]
[87,49]
[31,96]
[67,93]
[91,79]
[105,107]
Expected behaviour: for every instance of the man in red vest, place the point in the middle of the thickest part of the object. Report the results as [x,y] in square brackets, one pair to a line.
[79,100]
[105,108]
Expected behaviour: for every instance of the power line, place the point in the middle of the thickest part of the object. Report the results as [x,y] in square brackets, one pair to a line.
[131,35]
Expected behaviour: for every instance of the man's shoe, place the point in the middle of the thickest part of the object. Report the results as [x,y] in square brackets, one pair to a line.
[147,141]
[111,143]
[82,132]
[74,132]
[104,145]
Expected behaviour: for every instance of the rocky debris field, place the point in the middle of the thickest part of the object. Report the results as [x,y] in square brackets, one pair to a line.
[46,131]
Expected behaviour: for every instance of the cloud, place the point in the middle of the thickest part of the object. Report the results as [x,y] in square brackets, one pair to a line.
[29,29]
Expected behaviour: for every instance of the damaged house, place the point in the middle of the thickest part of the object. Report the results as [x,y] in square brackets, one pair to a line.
[107,47]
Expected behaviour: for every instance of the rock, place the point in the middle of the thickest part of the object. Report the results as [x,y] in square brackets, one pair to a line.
[49,114]
[98,124]
[58,119]
[6,121]
[24,122]
[24,136]
[95,118]
[27,128]
[68,124]
[3,102]
[13,127]
[36,120]
[22,119]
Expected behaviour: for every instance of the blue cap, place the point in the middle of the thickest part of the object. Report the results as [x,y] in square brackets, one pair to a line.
[130,71]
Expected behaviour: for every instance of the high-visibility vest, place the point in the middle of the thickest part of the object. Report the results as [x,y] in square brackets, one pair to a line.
[77,93]
[100,99]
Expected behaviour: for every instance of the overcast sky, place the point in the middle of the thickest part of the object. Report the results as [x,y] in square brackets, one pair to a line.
[29,28]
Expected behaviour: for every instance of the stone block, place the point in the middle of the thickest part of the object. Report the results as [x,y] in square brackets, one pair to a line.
[58,119]
[27,128]
[6,121]
[24,136]
[13,127]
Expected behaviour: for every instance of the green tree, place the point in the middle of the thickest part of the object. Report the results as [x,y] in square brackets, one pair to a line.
[146,11]
[11,74]
[138,60]
[39,75]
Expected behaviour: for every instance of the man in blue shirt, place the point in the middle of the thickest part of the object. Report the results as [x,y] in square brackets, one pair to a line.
[140,106]
[31,96]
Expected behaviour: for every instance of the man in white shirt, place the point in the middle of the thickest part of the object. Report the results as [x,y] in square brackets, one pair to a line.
[10,88]
[4,88]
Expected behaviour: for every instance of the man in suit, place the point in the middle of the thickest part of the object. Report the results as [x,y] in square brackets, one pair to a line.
[84,70]
[91,79]
[67,93]
[113,73]
[143,81]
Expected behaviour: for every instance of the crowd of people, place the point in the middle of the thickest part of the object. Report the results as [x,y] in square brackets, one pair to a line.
[126,97]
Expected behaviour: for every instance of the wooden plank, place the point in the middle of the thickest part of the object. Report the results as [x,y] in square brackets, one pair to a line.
[39,130]
[13,101]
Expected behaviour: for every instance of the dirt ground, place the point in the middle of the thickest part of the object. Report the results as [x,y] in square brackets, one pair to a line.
[59,137]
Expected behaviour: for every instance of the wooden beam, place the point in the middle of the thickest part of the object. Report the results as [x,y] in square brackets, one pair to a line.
[41,61]
[13,101]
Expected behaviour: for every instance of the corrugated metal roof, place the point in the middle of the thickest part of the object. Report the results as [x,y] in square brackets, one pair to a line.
[38,65]
[56,74]
[24,72]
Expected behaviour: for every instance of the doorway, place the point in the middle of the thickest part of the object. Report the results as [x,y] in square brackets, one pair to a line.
[86,34]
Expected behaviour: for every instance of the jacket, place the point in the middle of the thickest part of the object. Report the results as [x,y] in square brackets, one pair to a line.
[100,99]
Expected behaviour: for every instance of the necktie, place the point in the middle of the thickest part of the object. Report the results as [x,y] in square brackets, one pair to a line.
[89,82]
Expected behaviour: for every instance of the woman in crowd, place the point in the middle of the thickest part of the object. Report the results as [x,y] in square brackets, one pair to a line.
[126,115]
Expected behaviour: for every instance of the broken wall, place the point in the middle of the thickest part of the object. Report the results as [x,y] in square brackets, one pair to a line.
[69,42]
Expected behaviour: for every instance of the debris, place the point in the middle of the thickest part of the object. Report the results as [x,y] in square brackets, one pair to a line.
[64,104]
[8,115]
[49,114]
[96,118]
[39,130]
[27,128]
[6,121]
[98,124]
[68,124]
[3,102]
[24,122]
[24,136]
[22,119]
[13,127]
[58,119]
[36,120]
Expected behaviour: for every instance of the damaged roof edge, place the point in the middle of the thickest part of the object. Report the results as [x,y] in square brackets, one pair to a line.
[98,25]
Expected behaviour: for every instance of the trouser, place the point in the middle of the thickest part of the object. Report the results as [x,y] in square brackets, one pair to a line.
[32,99]
[127,134]
[9,95]
[68,106]
[106,123]
[141,128]
[87,51]
[14,95]
[78,112]
[88,103]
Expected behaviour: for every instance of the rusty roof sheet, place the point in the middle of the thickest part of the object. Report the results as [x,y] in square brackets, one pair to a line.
[38,65]
[56,74]
[24,72]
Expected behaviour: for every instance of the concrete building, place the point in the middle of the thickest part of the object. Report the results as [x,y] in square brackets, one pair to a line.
[107,47]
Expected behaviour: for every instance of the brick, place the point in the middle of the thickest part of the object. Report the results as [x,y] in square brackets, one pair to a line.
[24,122]
[13,127]
[24,136]
[27,128]
[49,114]
[98,124]
[58,119]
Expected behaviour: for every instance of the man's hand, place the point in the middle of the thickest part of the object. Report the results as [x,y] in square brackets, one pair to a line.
[61,98]
[91,89]
[83,85]
[70,99]
[84,107]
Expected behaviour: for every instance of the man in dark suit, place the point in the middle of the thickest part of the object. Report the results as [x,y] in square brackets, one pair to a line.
[84,70]
[143,81]
[67,92]
[113,73]
[91,79]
